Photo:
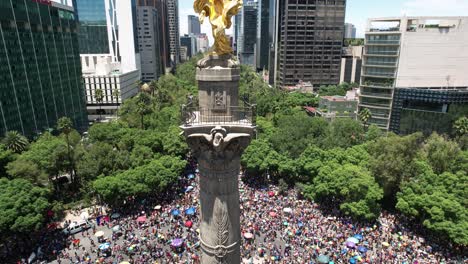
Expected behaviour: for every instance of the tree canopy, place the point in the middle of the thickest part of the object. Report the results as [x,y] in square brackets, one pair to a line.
[23,206]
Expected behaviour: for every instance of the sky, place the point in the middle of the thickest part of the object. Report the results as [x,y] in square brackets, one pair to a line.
[358,11]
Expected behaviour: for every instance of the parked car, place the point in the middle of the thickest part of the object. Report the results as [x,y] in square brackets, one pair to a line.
[77,227]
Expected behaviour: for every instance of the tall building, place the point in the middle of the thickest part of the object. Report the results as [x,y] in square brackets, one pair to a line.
[193,25]
[248,33]
[190,42]
[309,41]
[203,43]
[265,32]
[237,25]
[161,8]
[173,25]
[112,69]
[414,68]
[349,31]
[149,41]
[351,63]
[40,72]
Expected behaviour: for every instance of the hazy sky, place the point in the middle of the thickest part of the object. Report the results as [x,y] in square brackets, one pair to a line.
[357,11]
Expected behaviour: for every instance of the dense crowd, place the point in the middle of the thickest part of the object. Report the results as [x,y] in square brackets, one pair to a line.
[276,228]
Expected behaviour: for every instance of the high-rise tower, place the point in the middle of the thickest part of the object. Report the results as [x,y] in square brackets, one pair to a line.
[174,34]
[309,42]
[193,25]
[414,73]
[40,73]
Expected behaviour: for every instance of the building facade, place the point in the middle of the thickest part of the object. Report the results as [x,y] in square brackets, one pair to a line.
[161,8]
[265,22]
[349,31]
[174,34]
[194,25]
[40,73]
[411,52]
[203,44]
[149,41]
[247,40]
[116,72]
[351,64]
[190,42]
[309,41]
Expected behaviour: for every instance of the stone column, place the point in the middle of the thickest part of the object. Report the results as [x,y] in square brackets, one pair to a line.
[218,154]
[218,133]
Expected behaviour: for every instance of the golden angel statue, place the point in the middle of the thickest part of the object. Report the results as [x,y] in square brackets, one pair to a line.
[219,13]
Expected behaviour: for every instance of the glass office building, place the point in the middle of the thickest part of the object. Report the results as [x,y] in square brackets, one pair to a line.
[93,37]
[40,71]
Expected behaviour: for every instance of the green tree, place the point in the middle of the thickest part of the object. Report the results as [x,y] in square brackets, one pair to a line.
[295,132]
[144,180]
[173,143]
[344,133]
[461,126]
[351,186]
[22,206]
[440,153]
[439,201]
[259,157]
[143,107]
[44,152]
[101,159]
[6,156]
[28,170]
[392,161]
[65,126]
[99,97]
[373,132]
[15,142]
[364,115]
[116,96]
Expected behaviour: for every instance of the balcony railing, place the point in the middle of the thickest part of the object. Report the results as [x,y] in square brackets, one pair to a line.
[380,74]
[234,115]
[383,95]
[378,84]
[392,29]
[383,42]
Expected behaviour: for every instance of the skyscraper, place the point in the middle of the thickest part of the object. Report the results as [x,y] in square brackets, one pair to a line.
[309,42]
[248,33]
[190,42]
[350,31]
[149,40]
[173,25]
[112,68]
[193,25]
[265,32]
[40,73]
[414,73]
[161,8]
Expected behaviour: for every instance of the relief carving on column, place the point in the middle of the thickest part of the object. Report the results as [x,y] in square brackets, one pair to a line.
[218,147]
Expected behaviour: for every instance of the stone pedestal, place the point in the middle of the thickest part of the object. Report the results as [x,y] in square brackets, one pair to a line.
[217,140]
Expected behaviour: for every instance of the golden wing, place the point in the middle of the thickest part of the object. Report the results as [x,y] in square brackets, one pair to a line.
[231,9]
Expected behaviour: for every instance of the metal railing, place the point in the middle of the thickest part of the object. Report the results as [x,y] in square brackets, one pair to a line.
[234,115]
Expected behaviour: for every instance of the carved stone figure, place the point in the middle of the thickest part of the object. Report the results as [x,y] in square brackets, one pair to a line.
[219,12]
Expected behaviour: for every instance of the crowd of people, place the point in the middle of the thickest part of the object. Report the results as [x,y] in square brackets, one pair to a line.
[276,228]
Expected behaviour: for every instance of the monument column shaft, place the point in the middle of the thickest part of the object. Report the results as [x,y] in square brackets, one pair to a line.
[220,212]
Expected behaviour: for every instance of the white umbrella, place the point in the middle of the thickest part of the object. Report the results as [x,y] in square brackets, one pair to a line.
[287,210]
[157,207]
[99,233]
